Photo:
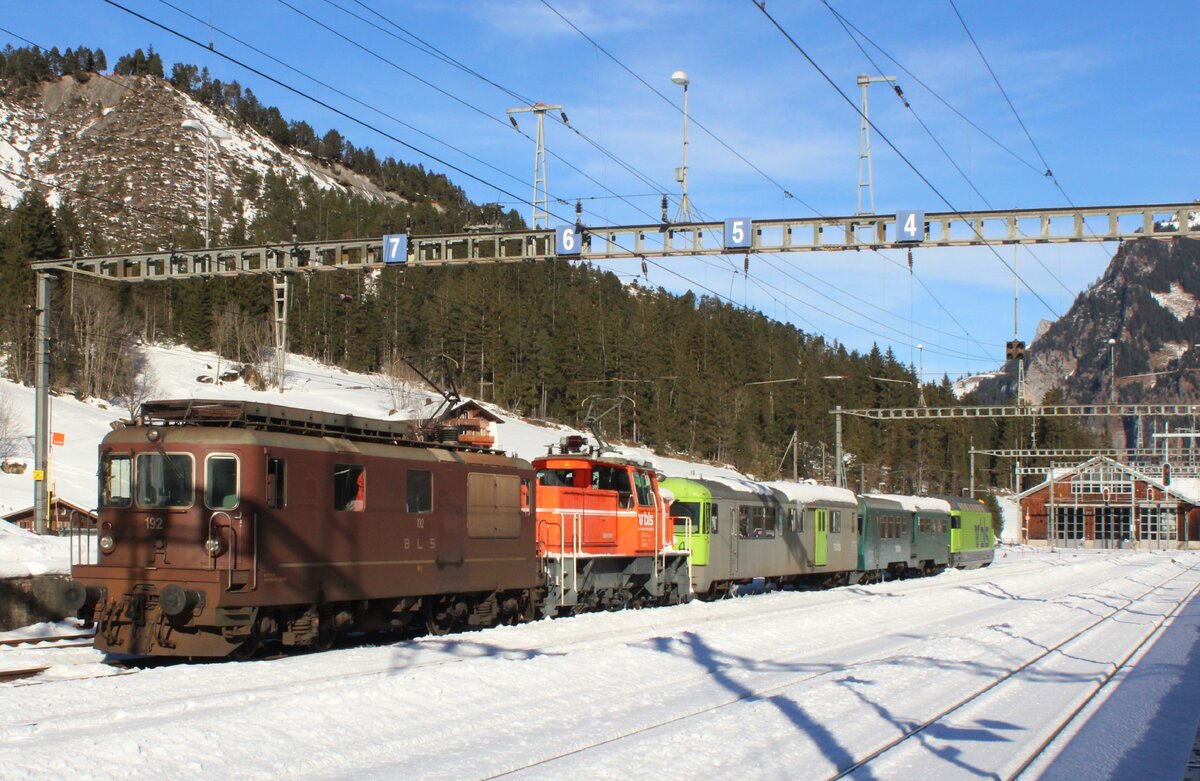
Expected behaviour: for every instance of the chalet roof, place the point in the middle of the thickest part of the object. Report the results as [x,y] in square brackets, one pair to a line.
[54,502]
[1183,489]
[479,410]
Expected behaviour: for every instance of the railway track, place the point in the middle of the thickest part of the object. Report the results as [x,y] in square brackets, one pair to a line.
[985,698]
[764,693]
[78,640]
[16,675]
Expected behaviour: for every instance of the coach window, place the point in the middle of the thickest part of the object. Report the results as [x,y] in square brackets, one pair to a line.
[116,481]
[164,480]
[276,485]
[791,515]
[221,482]
[349,487]
[420,490]
[835,524]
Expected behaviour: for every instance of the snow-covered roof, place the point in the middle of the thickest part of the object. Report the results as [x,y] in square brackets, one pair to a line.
[1185,489]
[810,492]
[917,503]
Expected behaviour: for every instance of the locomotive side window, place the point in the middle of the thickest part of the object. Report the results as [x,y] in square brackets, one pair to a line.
[420,490]
[608,478]
[275,483]
[221,482]
[116,481]
[164,480]
[349,487]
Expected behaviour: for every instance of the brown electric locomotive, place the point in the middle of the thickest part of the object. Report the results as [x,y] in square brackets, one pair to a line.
[224,523]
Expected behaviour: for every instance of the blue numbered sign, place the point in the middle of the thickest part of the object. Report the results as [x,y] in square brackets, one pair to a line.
[395,248]
[566,240]
[910,226]
[737,233]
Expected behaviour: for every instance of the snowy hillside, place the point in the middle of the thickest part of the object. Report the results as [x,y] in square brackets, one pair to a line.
[182,373]
[98,136]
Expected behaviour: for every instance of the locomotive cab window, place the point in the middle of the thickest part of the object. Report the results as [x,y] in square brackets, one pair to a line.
[349,487]
[641,484]
[164,480]
[608,478]
[420,490]
[116,481]
[221,482]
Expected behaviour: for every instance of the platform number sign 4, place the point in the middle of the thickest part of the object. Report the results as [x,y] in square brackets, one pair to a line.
[910,226]
[395,248]
[738,233]
[566,240]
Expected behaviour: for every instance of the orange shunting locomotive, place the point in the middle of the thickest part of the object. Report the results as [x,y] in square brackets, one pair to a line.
[604,532]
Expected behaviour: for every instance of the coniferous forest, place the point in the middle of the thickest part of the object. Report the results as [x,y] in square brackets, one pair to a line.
[537,339]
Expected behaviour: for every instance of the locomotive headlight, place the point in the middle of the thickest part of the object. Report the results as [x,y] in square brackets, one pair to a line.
[214,546]
[107,542]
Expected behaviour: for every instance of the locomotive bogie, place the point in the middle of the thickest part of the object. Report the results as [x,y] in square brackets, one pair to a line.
[586,582]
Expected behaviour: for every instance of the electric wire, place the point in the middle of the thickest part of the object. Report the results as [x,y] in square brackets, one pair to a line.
[644,82]
[899,153]
[903,99]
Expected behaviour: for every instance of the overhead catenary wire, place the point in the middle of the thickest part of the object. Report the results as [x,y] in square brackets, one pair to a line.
[645,83]
[908,105]
[912,166]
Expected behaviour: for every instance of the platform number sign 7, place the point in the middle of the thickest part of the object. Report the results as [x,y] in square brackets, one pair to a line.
[910,226]
[395,248]
[738,233]
[566,240]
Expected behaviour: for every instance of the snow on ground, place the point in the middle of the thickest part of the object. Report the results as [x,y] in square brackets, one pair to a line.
[782,685]
[1177,301]
[182,373]
[24,553]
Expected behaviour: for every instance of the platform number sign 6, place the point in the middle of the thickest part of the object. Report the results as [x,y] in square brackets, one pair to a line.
[910,226]
[738,233]
[395,248]
[566,240]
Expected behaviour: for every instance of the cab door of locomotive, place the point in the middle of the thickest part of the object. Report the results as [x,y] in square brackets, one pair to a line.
[821,544]
[231,518]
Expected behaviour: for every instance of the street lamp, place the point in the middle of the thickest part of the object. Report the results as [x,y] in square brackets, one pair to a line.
[211,135]
[1112,371]
[685,211]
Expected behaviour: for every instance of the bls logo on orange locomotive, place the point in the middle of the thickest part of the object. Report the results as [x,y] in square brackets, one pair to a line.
[645,519]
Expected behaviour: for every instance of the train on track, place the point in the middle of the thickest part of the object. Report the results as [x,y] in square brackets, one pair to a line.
[225,524]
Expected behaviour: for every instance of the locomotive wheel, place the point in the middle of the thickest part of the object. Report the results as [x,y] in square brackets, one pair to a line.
[438,620]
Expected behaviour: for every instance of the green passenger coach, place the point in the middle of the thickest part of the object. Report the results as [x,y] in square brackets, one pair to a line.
[972,541]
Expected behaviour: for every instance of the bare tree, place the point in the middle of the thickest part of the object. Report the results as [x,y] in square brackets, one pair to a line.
[103,338]
[137,383]
[398,380]
[10,441]
[255,349]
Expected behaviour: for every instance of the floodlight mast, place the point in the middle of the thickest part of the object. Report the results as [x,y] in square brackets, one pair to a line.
[685,208]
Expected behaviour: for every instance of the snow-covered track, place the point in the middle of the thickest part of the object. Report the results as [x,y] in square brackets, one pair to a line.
[16,675]
[992,700]
[51,641]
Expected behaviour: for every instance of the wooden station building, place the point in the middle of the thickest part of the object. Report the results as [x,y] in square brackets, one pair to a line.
[1102,503]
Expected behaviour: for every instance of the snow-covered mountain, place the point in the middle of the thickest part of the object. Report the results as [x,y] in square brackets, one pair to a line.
[121,140]
[1148,304]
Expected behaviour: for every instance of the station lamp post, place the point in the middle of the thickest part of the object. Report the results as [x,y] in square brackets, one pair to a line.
[685,210]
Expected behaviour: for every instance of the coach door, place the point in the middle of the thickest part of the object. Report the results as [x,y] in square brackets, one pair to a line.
[821,546]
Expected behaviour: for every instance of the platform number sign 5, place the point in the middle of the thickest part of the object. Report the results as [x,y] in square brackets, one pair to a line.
[738,233]
[910,226]
[395,248]
[566,240]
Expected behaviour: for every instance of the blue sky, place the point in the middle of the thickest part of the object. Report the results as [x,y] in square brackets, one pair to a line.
[1106,89]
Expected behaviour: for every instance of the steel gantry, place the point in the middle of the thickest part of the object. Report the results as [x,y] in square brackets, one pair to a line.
[577,242]
[1010,411]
